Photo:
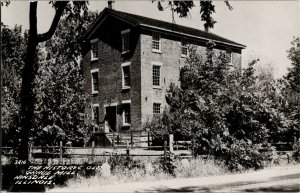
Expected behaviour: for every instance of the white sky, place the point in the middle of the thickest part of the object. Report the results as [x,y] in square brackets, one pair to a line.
[265,27]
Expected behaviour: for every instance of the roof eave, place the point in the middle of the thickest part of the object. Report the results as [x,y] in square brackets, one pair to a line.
[192,36]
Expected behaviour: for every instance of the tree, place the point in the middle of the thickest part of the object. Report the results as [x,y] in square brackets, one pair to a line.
[61,100]
[221,110]
[27,101]
[207,8]
[13,44]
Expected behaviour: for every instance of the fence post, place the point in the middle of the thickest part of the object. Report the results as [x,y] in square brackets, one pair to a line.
[30,152]
[60,152]
[131,139]
[165,150]
[113,139]
[127,150]
[171,140]
[93,150]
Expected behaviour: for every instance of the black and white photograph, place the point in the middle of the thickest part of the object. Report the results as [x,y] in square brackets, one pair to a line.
[150,96]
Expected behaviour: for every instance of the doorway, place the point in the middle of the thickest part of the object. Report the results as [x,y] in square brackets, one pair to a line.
[111,117]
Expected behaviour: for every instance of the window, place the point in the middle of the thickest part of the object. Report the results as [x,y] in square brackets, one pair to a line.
[95,113]
[231,58]
[184,48]
[156,108]
[156,42]
[125,41]
[156,75]
[95,84]
[126,112]
[126,75]
[94,49]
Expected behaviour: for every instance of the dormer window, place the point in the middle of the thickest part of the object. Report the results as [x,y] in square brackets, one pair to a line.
[184,48]
[94,49]
[125,41]
[156,43]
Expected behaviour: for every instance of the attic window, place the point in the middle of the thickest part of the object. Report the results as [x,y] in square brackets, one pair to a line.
[125,41]
[156,44]
[184,48]
[94,49]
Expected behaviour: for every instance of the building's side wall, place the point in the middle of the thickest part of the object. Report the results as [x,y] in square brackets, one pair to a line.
[171,61]
[110,71]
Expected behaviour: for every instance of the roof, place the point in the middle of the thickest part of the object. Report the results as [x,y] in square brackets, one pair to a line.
[162,25]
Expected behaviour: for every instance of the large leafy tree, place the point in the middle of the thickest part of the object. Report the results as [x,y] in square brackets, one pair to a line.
[221,110]
[13,44]
[61,101]
[72,9]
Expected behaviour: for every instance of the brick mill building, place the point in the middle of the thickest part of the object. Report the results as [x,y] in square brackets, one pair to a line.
[129,62]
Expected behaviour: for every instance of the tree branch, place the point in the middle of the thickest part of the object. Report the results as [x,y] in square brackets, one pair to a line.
[61,5]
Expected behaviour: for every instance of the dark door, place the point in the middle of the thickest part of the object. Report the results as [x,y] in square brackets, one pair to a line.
[111,117]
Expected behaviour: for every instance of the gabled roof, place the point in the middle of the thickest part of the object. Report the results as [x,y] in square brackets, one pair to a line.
[142,21]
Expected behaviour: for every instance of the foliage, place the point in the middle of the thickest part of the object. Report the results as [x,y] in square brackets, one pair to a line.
[222,111]
[13,44]
[61,100]
[207,8]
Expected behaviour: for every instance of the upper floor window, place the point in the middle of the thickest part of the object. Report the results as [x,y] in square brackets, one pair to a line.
[94,49]
[126,75]
[156,43]
[184,48]
[156,108]
[156,75]
[95,84]
[125,40]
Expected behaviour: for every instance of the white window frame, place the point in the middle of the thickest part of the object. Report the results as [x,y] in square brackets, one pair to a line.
[123,114]
[124,87]
[92,54]
[92,81]
[160,76]
[93,116]
[160,107]
[125,33]
[184,46]
[231,58]
[159,42]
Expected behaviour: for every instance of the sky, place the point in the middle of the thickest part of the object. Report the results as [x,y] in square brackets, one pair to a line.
[265,27]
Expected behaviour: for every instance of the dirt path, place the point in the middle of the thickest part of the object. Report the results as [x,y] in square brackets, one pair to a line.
[279,179]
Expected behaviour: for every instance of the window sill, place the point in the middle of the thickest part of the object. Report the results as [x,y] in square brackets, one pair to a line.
[126,125]
[157,87]
[125,52]
[125,87]
[94,59]
[95,92]
[183,56]
[156,51]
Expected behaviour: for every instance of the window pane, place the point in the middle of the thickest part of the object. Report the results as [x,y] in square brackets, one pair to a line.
[156,75]
[126,74]
[156,41]
[125,42]
[184,48]
[126,111]
[95,114]
[156,108]
[95,81]
[95,50]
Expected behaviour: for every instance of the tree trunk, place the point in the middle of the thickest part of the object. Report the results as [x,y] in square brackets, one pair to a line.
[27,94]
